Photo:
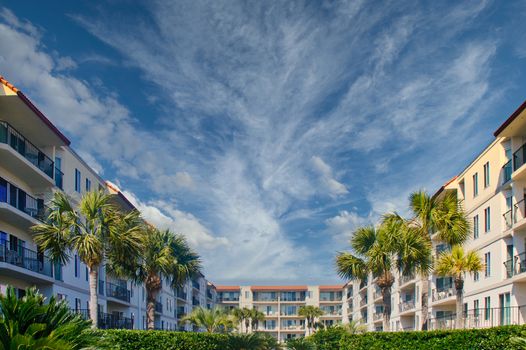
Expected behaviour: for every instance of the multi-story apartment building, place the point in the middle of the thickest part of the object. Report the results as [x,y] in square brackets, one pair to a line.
[280,304]
[36,160]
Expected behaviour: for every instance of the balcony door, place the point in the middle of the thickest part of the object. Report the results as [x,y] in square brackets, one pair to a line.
[505,309]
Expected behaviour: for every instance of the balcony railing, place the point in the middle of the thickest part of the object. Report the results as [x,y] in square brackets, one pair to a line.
[378,316]
[406,305]
[332,312]
[26,258]
[108,321]
[518,211]
[406,279]
[22,201]
[377,294]
[506,172]
[482,318]
[508,218]
[519,157]
[101,287]
[59,178]
[443,293]
[196,285]
[516,265]
[195,302]
[329,297]
[158,307]
[363,302]
[19,143]
[117,292]
[181,294]
[227,299]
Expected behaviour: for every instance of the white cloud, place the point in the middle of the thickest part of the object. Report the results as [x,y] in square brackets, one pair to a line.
[342,226]
[334,187]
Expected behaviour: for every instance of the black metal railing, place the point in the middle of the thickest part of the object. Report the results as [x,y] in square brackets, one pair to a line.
[506,172]
[59,178]
[107,321]
[518,210]
[406,306]
[330,296]
[195,302]
[25,148]
[22,201]
[158,307]
[481,318]
[515,265]
[519,157]
[229,298]
[117,292]
[196,285]
[180,294]
[443,293]
[101,287]
[508,218]
[25,258]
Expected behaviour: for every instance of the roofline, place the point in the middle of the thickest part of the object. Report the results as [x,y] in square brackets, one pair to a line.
[332,287]
[443,187]
[510,119]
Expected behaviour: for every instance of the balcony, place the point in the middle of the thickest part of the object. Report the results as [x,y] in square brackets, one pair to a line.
[108,321]
[101,287]
[181,295]
[406,306]
[195,302]
[482,318]
[332,312]
[377,294]
[406,279]
[25,158]
[158,307]
[180,312]
[506,172]
[331,297]
[443,293]
[196,285]
[519,214]
[117,292]
[378,316]
[28,210]
[508,219]
[516,265]
[25,259]
[229,299]
[519,158]
[363,302]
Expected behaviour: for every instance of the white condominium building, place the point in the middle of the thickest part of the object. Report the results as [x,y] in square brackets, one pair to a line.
[280,304]
[36,160]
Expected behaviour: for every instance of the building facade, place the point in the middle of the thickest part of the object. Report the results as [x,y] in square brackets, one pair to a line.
[36,160]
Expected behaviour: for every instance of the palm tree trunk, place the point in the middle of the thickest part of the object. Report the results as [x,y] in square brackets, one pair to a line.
[386,300]
[93,295]
[151,295]
[425,299]
[247,325]
[459,286]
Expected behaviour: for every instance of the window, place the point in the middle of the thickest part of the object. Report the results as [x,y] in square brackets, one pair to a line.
[486,175]
[476,276]
[487,308]
[487,262]
[77,180]
[487,220]
[87,273]
[76,265]
[475,184]
[476,308]
[476,227]
[78,304]
[88,185]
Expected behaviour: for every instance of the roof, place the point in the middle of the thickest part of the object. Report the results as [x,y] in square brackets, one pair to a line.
[35,110]
[278,288]
[510,119]
[437,193]
[119,193]
[333,287]
[227,288]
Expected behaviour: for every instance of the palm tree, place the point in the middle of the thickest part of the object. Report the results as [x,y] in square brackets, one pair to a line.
[457,263]
[96,231]
[443,215]
[354,327]
[378,251]
[30,323]
[310,313]
[256,316]
[213,320]
[164,256]
[253,341]
[243,316]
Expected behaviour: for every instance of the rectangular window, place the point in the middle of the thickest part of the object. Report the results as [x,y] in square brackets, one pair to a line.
[88,185]
[487,308]
[487,220]
[76,266]
[77,180]
[476,276]
[87,274]
[476,308]
[476,227]
[487,262]
[475,184]
[486,175]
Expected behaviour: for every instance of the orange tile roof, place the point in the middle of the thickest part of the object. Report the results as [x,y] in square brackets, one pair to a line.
[333,287]
[8,84]
[227,288]
[278,288]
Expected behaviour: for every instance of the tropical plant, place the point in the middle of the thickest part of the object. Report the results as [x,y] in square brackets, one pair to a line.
[300,344]
[457,263]
[96,231]
[354,327]
[379,250]
[252,341]
[311,313]
[442,215]
[29,323]
[243,316]
[213,320]
[519,341]
[256,316]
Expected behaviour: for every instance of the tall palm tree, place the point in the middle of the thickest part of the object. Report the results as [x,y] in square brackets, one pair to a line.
[243,316]
[457,263]
[379,251]
[443,215]
[213,320]
[310,313]
[256,316]
[96,231]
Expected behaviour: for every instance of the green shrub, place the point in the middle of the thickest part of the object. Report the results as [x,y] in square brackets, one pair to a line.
[329,338]
[300,344]
[477,339]
[163,340]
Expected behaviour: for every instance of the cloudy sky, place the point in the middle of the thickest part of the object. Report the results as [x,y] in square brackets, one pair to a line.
[266,131]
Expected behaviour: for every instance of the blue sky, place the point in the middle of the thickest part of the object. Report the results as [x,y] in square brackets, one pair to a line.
[266,132]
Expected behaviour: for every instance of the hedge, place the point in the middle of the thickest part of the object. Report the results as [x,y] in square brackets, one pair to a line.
[162,340]
[477,339]
[329,338]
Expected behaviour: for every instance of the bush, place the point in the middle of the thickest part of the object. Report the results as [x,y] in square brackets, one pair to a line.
[163,340]
[479,339]
[329,338]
